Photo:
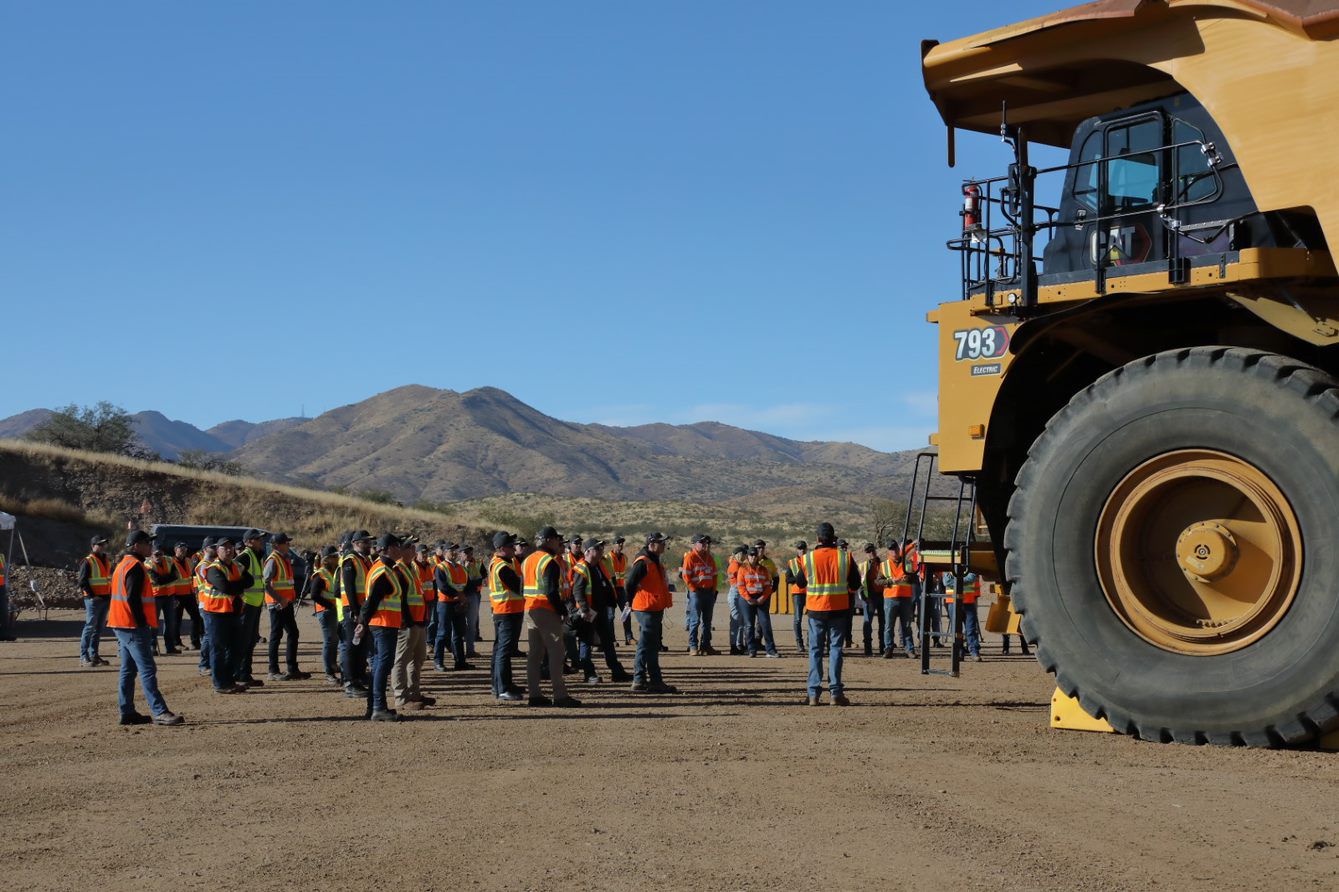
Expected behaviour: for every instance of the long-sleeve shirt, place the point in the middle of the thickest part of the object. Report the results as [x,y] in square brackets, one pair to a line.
[316,591]
[348,582]
[85,575]
[219,581]
[600,593]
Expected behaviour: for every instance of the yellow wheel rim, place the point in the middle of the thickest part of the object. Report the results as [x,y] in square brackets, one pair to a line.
[1198,552]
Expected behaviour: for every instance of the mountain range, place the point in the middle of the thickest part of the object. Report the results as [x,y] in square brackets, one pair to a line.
[426,445]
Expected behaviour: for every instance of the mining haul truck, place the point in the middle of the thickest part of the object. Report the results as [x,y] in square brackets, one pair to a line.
[1139,374]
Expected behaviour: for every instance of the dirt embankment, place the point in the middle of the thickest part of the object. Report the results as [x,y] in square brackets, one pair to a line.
[62,497]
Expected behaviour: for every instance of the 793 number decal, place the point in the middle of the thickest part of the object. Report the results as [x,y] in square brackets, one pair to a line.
[981,343]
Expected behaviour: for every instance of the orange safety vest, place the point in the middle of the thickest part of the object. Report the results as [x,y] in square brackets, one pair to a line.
[618,569]
[182,584]
[532,574]
[211,599]
[826,569]
[732,571]
[970,593]
[388,611]
[119,615]
[282,583]
[503,599]
[871,586]
[99,573]
[653,594]
[328,577]
[796,567]
[699,570]
[413,592]
[361,568]
[753,582]
[458,576]
[159,565]
[567,563]
[427,579]
[894,570]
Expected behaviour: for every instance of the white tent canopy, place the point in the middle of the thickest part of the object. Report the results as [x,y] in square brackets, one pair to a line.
[6,521]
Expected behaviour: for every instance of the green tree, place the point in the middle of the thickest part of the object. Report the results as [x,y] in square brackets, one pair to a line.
[100,428]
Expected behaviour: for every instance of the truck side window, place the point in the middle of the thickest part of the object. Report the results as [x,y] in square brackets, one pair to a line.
[1085,174]
[1195,179]
[1132,168]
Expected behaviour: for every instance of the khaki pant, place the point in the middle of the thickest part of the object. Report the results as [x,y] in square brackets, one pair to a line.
[544,636]
[411,648]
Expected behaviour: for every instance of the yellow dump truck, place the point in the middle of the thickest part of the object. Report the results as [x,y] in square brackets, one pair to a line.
[1139,371]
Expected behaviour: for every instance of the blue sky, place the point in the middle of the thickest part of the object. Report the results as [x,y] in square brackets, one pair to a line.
[618,211]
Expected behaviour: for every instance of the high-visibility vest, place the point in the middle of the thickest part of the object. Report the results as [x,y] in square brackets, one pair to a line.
[971,590]
[119,615]
[387,614]
[583,569]
[653,593]
[211,599]
[282,583]
[753,582]
[732,571]
[456,576]
[532,574]
[475,571]
[871,587]
[198,577]
[328,580]
[181,586]
[361,566]
[566,562]
[158,564]
[894,571]
[255,595]
[99,573]
[618,569]
[825,571]
[426,574]
[699,570]
[413,592]
[503,599]
[796,566]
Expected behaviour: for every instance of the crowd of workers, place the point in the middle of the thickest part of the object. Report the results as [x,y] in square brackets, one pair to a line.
[386,605]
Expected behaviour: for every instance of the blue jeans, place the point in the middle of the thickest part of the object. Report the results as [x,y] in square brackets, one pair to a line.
[137,659]
[971,628]
[797,605]
[732,598]
[329,641]
[826,628]
[95,620]
[761,614]
[874,610]
[506,632]
[701,605]
[898,611]
[650,627]
[222,631]
[472,623]
[205,648]
[383,658]
[452,632]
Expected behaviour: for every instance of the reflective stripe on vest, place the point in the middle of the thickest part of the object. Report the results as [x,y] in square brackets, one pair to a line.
[457,577]
[328,578]
[255,595]
[894,571]
[282,583]
[532,574]
[181,586]
[388,611]
[653,593]
[971,590]
[119,615]
[503,599]
[99,574]
[618,569]
[361,565]
[582,569]
[752,581]
[699,570]
[211,599]
[796,567]
[413,592]
[826,585]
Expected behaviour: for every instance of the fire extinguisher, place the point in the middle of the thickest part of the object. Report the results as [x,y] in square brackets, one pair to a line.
[971,208]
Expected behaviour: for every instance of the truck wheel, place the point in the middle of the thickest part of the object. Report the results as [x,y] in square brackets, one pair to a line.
[1157,548]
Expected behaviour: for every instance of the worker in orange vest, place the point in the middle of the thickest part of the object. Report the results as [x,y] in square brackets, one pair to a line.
[133,617]
[183,602]
[616,566]
[226,582]
[449,580]
[95,581]
[699,575]
[382,615]
[737,558]
[281,602]
[648,587]
[545,610]
[899,603]
[971,623]
[754,583]
[411,645]
[329,612]
[794,572]
[508,602]
[829,578]
[206,556]
[872,592]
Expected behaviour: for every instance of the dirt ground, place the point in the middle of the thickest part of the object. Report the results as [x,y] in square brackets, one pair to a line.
[731,784]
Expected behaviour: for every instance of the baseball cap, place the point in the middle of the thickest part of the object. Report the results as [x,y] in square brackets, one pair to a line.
[224,540]
[502,539]
[466,547]
[701,537]
[547,533]
[619,540]
[359,536]
[656,537]
[389,540]
[751,551]
[800,544]
[97,540]
[329,551]
[869,548]
[280,538]
[253,533]
[208,543]
[760,543]
[136,537]
[595,543]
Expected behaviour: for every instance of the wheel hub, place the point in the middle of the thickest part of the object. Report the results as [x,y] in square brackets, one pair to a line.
[1206,551]
[1198,552]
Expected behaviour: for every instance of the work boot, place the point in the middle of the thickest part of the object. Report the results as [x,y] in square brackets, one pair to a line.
[99,661]
[385,715]
[773,655]
[408,705]
[659,687]
[640,687]
[839,700]
[888,654]
[620,676]
[253,682]
[508,697]
[567,703]
[134,718]
[811,700]
[458,667]
[426,701]
[231,690]
[298,675]
[173,650]
[734,650]
[168,718]
[711,651]
[278,676]
[203,671]
[541,700]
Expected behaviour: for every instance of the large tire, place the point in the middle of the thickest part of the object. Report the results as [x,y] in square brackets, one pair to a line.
[1270,412]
